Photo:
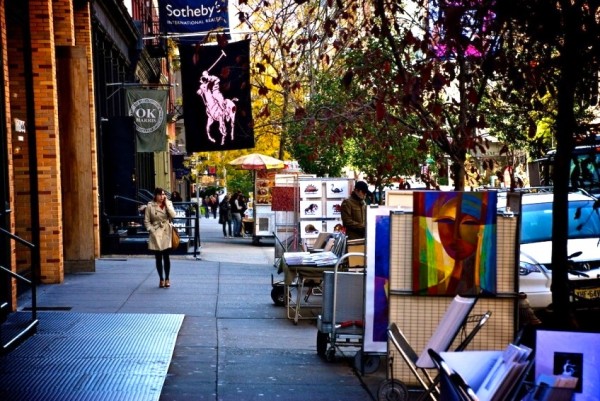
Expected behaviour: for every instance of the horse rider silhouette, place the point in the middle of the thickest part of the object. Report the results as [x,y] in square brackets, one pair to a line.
[217,107]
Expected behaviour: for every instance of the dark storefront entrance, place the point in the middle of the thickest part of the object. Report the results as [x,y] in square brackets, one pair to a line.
[5,295]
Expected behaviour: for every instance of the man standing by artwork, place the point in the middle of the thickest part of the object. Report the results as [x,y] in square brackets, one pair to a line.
[354,211]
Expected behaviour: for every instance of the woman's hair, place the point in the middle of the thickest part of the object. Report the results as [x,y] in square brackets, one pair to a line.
[158,191]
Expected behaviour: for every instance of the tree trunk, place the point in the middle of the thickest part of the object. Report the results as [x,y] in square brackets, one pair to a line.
[565,122]
[458,171]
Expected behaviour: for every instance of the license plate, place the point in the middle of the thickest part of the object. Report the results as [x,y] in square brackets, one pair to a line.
[587,293]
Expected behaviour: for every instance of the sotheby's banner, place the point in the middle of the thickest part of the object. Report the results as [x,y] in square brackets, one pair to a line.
[148,109]
[192,16]
[216,96]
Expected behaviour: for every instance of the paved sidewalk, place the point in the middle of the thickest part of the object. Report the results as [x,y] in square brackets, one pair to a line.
[234,343]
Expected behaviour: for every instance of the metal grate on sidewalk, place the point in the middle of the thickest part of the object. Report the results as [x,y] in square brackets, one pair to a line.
[89,356]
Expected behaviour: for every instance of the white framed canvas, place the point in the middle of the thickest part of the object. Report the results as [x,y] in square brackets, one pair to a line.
[311,208]
[334,208]
[575,354]
[311,189]
[310,228]
[337,189]
[402,199]
[334,226]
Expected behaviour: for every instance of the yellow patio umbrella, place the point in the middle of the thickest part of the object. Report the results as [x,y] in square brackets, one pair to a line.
[254,162]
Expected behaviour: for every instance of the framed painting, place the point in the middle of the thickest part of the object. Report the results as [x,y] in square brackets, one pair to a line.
[311,208]
[310,228]
[377,279]
[454,243]
[337,189]
[570,354]
[334,208]
[311,189]
[335,226]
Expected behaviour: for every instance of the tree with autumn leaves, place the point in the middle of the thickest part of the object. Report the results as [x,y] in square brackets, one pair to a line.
[446,64]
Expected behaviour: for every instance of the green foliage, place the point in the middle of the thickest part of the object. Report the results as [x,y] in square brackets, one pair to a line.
[240,180]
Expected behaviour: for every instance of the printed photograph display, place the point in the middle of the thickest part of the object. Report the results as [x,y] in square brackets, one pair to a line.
[310,228]
[311,189]
[334,208]
[454,243]
[311,208]
[263,191]
[337,189]
[564,355]
[335,226]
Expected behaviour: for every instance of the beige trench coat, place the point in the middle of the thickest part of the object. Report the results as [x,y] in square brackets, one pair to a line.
[158,223]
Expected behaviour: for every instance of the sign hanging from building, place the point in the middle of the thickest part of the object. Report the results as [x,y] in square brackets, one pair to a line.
[217,107]
[148,109]
[192,16]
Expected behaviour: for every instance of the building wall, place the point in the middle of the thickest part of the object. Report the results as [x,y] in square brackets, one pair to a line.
[47,133]
[38,162]
[19,158]
[12,296]
[83,38]
[52,25]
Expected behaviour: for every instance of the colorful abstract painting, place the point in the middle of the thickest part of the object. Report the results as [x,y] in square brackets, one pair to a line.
[377,279]
[454,243]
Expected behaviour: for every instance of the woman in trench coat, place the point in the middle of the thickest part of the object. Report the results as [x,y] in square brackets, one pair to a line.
[157,219]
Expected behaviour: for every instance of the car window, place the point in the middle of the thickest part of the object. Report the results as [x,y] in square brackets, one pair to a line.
[536,224]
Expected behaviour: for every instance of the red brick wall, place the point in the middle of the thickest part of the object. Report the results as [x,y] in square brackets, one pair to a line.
[16,96]
[83,38]
[64,26]
[47,140]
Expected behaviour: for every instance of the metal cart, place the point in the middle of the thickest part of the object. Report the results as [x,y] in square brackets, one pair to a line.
[341,322]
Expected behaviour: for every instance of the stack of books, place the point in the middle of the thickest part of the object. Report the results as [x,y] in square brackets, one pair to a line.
[294,258]
[310,259]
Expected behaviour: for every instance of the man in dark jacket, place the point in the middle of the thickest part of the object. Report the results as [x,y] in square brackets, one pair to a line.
[354,211]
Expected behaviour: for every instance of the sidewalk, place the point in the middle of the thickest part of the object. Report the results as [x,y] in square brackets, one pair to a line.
[233,343]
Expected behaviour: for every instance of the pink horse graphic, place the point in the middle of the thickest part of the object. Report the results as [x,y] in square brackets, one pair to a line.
[218,109]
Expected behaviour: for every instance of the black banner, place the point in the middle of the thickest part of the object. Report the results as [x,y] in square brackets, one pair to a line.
[216,96]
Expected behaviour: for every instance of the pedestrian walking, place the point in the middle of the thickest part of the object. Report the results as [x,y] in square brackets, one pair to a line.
[236,214]
[214,205]
[225,216]
[158,216]
[243,207]
[206,204]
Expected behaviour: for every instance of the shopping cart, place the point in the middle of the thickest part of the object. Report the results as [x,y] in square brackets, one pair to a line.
[340,323]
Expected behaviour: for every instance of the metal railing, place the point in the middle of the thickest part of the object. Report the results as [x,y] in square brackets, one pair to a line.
[187,222]
[32,323]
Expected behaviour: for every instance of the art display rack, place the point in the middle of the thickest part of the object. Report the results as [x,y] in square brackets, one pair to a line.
[319,208]
[419,315]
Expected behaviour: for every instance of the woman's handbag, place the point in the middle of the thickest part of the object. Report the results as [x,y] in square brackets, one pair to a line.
[174,238]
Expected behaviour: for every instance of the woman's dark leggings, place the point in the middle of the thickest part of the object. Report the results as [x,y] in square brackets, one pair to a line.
[160,257]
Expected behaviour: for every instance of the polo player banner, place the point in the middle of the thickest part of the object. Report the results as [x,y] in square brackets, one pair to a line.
[193,16]
[148,109]
[217,107]
[454,243]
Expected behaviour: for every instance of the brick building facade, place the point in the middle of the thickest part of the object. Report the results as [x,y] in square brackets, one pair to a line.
[57,60]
